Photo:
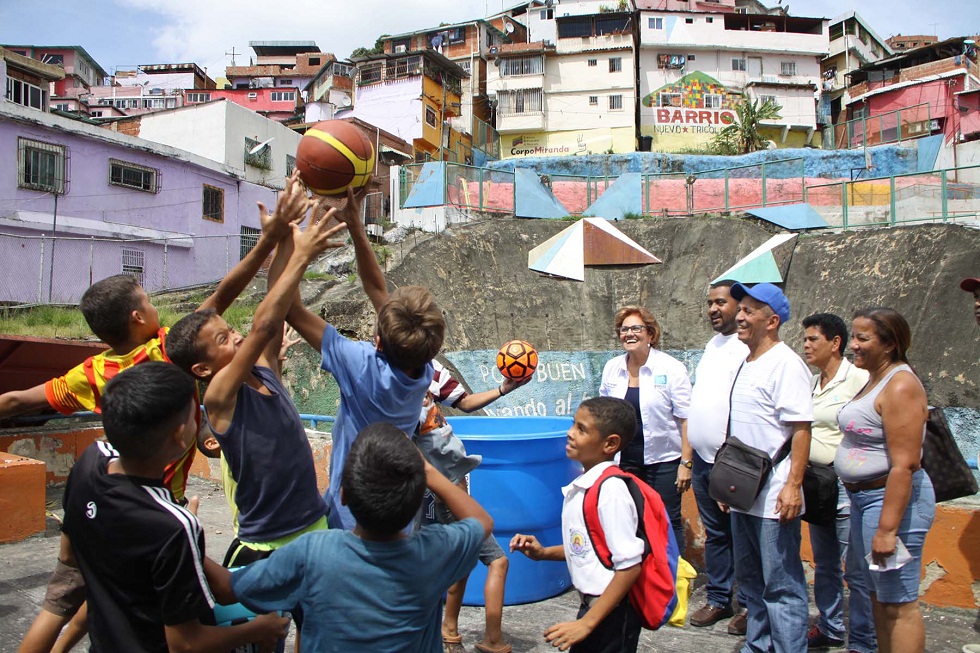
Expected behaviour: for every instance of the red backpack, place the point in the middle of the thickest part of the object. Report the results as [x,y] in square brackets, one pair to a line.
[653,595]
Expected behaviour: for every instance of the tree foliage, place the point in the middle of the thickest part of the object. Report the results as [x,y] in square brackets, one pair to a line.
[378,48]
[744,136]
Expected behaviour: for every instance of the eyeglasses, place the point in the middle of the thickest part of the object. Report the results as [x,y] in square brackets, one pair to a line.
[635,328]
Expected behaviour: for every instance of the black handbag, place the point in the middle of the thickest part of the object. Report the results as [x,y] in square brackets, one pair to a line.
[740,471]
[820,494]
[951,477]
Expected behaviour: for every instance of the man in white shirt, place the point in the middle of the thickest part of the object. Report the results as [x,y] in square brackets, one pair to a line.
[771,408]
[707,424]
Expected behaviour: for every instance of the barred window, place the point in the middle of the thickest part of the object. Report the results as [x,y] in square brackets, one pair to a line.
[615,64]
[527,100]
[593,100]
[213,204]
[131,175]
[615,102]
[42,166]
[133,262]
[248,238]
[290,164]
[787,68]
[521,66]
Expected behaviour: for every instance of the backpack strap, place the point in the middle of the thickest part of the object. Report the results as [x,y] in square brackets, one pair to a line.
[590,508]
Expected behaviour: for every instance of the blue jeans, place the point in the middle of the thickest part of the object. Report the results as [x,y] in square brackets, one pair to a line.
[830,548]
[899,585]
[769,570]
[719,561]
[662,477]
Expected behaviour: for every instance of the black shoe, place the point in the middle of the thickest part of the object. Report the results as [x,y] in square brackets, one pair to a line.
[710,614]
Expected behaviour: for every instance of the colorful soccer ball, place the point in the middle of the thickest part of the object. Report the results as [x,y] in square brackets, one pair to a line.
[517,360]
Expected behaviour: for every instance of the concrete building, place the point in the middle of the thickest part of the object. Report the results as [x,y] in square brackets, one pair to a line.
[283,69]
[330,90]
[852,44]
[115,204]
[900,43]
[259,150]
[27,81]
[81,73]
[697,62]
[912,94]
[412,95]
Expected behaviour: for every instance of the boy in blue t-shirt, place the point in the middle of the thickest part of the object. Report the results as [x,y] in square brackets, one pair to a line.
[374,588]
[380,381]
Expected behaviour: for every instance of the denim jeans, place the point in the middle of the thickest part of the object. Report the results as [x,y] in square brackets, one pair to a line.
[662,477]
[769,570]
[829,544]
[719,560]
[899,585]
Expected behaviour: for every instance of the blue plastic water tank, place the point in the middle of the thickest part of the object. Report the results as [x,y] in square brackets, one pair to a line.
[519,483]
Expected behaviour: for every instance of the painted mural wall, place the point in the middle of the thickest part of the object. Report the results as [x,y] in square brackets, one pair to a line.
[567,143]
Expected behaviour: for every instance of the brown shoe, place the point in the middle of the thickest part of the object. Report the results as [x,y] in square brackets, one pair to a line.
[710,614]
[738,623]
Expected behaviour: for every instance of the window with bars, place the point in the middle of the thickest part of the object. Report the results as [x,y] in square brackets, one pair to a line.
[430,117]
[532,65]
[42,166]
[615,102]
[593,62]
[787,68]
[370,73]
[134,262]
[290,164]
[131,175]
[527,100]
[248,238]
[213,203]
[615,64]
[593,100]
[771,99]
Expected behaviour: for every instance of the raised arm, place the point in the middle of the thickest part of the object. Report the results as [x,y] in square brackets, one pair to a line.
[17,402]
[478,400]
[222,391]
[372,276]
[290,207]
[461,504]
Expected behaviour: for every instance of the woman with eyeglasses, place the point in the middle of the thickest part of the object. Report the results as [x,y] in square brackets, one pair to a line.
[658,387]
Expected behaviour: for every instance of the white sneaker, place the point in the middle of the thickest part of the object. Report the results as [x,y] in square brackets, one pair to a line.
[971,648]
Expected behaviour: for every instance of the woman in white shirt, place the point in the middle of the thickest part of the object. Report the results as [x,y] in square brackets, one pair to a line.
[658,387]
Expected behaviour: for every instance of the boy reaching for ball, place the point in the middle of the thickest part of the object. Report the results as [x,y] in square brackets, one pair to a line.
[380,381]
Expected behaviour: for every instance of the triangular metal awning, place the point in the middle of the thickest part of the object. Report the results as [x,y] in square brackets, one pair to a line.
[590,241]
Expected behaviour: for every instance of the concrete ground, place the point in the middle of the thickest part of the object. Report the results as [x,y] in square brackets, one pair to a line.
[25,567]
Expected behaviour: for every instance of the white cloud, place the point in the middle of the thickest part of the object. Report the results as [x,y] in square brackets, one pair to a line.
[203,30]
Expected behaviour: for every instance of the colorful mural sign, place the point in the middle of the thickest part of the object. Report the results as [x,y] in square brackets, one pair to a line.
[567,143]
[688,113]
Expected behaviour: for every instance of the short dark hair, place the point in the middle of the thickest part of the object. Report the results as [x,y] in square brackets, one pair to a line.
[411,327]
[724,283]
[891,328]
[612,415]
[829,325]
[107,305]
[383,479]
[142,405]
[182,344]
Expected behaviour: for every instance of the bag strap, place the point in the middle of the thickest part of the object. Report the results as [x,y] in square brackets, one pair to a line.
[590,509]
[783,450]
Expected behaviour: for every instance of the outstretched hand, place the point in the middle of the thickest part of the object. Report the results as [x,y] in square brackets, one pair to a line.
[528,545]
[316,238]
[291,207]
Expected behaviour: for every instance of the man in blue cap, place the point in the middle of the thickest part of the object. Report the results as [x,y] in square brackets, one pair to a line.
[771,410]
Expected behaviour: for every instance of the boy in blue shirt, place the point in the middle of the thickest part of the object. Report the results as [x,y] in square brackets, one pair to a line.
[374,588]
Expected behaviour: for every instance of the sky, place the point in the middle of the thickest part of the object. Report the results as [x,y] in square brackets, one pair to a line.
[127,33]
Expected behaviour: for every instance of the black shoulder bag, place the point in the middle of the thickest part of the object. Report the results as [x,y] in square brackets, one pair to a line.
[740,471]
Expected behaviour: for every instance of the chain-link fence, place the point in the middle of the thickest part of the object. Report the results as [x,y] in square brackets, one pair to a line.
[57,270]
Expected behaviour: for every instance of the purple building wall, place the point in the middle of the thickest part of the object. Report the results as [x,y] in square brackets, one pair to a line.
[162,232]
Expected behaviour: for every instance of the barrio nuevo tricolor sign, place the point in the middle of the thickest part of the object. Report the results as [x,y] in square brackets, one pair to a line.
[688,113]
[694,121]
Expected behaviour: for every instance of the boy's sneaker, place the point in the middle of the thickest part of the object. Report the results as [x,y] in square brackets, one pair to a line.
[816,640]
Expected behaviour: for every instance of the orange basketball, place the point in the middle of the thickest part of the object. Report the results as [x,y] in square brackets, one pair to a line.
[334,155]
[517,360]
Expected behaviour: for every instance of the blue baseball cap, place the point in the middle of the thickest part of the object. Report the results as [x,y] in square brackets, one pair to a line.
[767,293]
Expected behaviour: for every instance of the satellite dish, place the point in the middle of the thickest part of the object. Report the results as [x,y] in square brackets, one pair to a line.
[344,101]
[258,148]
[509,27]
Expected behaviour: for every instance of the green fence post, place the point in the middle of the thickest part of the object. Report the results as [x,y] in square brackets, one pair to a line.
[942,183]
[763,185]
[727,202]
[891,192]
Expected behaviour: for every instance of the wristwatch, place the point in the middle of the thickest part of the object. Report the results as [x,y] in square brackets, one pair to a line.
[687,463]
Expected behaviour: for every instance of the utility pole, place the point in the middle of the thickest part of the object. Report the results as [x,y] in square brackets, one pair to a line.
[232,55]
[54,241]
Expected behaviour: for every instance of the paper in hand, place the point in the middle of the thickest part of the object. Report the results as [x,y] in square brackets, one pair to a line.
[896,561]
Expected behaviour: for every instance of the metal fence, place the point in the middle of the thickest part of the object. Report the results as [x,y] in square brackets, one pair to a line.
[891,127]
[57,270]
[937,196]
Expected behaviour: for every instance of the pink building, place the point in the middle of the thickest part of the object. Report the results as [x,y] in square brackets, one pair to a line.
[82,72]
[274,103]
